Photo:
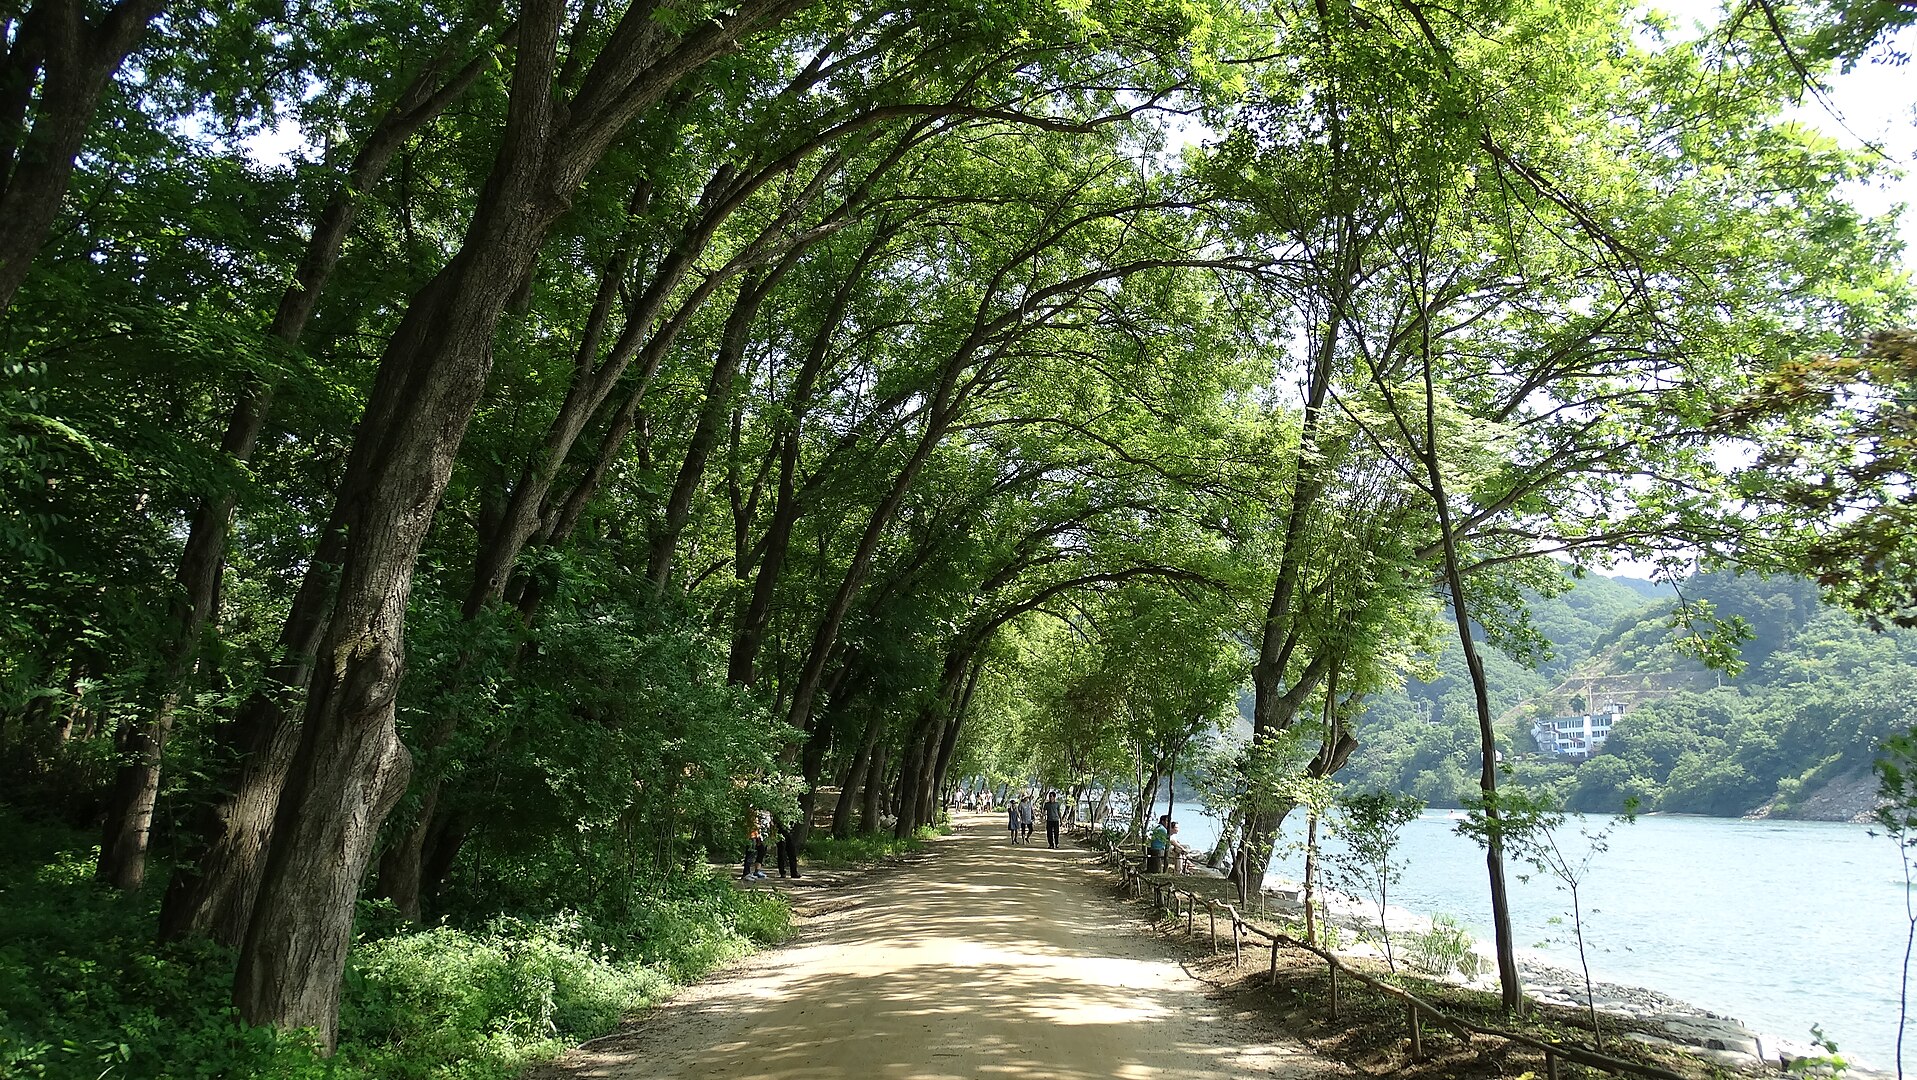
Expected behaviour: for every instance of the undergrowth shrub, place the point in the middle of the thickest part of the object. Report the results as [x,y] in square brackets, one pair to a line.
[449,1002]
[86,994]
[1443,949]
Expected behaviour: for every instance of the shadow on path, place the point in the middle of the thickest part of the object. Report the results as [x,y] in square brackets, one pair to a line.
[987,960]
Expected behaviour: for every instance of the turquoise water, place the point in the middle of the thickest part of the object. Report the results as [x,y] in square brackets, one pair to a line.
[1781,924]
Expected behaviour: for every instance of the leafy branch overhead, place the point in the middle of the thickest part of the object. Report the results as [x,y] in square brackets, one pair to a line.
[481,459]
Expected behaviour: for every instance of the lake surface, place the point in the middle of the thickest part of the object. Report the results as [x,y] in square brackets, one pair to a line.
[1781,924]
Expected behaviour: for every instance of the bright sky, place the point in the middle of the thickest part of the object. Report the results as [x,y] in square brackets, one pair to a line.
[1873,104]
[1876,104]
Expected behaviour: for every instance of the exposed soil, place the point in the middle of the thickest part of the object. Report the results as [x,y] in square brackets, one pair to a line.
[983,959]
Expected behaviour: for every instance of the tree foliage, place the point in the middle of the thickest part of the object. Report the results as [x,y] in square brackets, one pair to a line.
[475,457]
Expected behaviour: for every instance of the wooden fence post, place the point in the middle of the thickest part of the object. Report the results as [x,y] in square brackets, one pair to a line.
[1211,913]
[1274,962]
[1417,1032]
[1334,990]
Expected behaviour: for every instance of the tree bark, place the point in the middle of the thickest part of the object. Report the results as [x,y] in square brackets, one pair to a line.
[1510,985]
[749,630]
[213,894]
[940,411]
[948,741]
[713,411]
[350,767]
[202,562]
[71,61]
[860,776]
[136,788]
[874,793]
[1273,708]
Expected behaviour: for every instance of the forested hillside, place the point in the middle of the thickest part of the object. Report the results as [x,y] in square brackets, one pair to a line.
[1815,695]
[460,466]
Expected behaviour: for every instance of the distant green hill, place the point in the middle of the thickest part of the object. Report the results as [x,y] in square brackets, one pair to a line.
[1793,734]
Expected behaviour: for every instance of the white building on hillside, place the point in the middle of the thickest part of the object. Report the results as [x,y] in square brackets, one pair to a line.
[1577,737]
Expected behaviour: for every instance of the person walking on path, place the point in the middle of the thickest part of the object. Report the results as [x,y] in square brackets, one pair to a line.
[1011,819]
[1025,817]
[1053,817]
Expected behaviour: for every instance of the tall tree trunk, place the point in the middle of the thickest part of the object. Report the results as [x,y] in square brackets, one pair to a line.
[948,743]
[1511,987]
[71,61]
[859,777]
[713,411]
[915,771]
[136,788]
[350,767]
[750,628]
[197,580]
[447,837]
[918,765]
[939,413]
[874,793]
[213,895]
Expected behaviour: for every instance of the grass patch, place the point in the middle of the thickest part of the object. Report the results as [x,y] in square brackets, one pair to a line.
[86,993]
[828,851]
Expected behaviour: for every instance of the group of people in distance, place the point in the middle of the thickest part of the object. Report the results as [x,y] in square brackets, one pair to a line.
[760,826]
[1020,816]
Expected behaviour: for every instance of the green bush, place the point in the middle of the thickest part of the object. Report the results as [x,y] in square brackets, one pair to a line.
[448,1002]
[85,993]
[1445,948]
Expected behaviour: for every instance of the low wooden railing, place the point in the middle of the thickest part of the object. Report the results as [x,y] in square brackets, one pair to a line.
[1417,1009]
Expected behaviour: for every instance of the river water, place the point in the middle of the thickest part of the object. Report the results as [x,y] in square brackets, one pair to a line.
[1780,924]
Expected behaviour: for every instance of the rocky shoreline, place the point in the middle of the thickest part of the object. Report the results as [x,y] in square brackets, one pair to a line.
[1716,1038]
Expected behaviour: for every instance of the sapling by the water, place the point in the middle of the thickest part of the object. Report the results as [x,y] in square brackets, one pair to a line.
[1533,830]
[1370,825]
[1897,787]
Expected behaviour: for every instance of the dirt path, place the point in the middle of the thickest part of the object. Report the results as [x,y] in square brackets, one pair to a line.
[984,960]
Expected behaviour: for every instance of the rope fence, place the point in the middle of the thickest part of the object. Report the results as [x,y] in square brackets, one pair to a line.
[1165,897]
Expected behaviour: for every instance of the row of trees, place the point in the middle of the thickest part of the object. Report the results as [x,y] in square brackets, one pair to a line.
[603,417]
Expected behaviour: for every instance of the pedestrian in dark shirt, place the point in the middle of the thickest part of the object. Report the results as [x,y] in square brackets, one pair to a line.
[1011,819]
[1053,817]
[788,848]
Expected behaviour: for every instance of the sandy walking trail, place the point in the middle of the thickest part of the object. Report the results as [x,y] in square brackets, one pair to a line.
[983,960]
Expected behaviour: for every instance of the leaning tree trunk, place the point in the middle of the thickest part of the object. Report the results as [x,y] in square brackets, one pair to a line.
[874,793]
[859,777]
[213,894]
[713,411]
[1227,833]
[202,561]
[350,767]
[750,628]
[71,62]
[948,745]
